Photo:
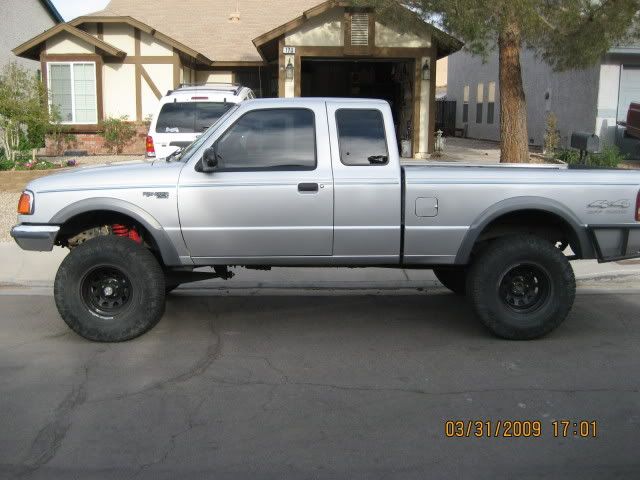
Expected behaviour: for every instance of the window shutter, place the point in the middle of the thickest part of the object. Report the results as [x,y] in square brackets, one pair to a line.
[359,29]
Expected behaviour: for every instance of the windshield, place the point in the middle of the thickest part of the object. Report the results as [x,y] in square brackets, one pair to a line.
[188,151]
[189,117]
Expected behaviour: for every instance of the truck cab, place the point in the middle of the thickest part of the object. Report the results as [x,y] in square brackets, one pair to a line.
[294,182]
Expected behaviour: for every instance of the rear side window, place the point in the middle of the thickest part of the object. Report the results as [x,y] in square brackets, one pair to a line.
[362,138]
[278,139]
[189,117]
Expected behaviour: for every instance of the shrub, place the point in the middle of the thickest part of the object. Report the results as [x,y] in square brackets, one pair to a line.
[117,132]
[610,157]
[24,114]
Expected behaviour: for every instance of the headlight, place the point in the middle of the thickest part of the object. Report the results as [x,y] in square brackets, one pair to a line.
[25,204]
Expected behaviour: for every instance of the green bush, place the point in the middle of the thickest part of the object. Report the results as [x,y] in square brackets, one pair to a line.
[117,132]
[610,157]
[5,164]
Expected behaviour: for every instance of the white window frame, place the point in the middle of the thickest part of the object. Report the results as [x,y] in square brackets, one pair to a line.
[73,93]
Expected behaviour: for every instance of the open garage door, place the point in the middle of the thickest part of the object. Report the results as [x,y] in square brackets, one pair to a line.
[629,90]
[390,80]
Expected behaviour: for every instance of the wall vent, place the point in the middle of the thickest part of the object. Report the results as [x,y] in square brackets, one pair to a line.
[359,29]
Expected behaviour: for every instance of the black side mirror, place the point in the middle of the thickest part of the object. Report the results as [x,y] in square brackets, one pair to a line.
[210,159]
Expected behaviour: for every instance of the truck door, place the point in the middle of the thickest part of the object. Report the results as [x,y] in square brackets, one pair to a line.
[270,196]
[367,182]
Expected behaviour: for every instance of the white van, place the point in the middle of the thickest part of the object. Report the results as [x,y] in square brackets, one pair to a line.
[186,112]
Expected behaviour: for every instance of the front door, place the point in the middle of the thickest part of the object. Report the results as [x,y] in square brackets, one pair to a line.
[271,195]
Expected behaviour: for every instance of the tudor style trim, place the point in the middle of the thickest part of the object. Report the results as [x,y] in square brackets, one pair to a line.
[29,49]
[137,24]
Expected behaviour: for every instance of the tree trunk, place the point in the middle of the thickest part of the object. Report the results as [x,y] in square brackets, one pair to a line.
[513,106]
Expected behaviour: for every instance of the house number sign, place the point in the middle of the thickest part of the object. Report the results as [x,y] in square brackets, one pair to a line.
[289,50]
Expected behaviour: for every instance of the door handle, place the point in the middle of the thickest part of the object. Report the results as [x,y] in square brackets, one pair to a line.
[308,187]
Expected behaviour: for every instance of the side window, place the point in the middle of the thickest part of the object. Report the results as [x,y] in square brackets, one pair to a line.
[362,138]
[281,139]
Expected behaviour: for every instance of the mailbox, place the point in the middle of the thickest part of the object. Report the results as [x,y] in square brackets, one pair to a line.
[585,142]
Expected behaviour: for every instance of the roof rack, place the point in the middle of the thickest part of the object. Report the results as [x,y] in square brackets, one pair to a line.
[229,87]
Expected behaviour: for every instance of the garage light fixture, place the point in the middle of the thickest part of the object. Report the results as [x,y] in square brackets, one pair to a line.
[426,71]
[288,71]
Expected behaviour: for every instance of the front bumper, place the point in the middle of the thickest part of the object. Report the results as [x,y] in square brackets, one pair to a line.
[38,238]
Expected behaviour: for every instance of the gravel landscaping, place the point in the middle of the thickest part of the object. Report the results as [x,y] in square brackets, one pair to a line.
[12,183]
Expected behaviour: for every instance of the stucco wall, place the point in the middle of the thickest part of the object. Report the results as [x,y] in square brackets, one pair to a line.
[219,76]
[119,90]
[325,30]
[572,96]
[151,47]
[121,36]
[21,20]
[65,43]
[389,37]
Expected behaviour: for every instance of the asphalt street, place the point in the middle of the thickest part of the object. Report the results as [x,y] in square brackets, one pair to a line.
[322,386]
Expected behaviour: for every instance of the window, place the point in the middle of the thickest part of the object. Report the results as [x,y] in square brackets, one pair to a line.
[189,117]
[362,138]
[491,105]
[72,89]
[281,139]
[480,103]
[465,105]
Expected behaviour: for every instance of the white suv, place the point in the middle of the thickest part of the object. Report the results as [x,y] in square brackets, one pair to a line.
[186,112]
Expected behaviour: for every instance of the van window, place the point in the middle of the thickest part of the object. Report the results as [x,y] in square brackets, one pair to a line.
[189,117]
[276,139]
[362,138]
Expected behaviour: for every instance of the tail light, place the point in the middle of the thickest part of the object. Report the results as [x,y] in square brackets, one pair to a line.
[25,204]
[638,208]
[151,149]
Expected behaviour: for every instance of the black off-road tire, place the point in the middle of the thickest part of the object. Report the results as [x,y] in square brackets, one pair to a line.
[510,265]
[453,278]
[125,267]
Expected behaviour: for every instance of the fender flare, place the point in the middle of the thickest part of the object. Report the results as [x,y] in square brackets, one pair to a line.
[516,204]
[168,251]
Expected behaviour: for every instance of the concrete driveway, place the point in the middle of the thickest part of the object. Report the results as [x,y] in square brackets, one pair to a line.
[322,386]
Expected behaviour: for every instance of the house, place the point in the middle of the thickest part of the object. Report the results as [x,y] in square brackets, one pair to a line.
[590,100]
[21,20]
[121,60]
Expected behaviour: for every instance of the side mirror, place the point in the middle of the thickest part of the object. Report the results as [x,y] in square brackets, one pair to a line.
[209,159]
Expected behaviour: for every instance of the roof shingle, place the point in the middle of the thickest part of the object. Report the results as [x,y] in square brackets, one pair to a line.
[194,22]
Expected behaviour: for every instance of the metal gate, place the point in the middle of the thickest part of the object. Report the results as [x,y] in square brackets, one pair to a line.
[446,117]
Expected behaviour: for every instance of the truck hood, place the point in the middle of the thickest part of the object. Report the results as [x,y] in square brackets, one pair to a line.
[120,176]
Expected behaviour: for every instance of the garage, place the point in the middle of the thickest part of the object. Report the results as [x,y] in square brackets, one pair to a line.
[629,89]
[387,79]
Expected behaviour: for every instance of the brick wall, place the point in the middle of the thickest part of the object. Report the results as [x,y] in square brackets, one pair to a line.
[93,144]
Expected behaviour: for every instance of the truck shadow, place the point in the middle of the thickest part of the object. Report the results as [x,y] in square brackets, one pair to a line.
[441,315]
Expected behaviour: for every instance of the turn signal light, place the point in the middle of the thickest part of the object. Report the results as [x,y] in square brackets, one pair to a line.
[151,149]
[25,204]
[638,208]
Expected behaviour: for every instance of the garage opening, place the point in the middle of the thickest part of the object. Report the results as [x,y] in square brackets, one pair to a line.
[390,80]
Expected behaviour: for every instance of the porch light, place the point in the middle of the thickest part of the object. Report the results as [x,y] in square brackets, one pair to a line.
[288,71]
[426,71]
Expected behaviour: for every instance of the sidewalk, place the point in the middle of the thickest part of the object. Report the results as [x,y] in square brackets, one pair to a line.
[38,269]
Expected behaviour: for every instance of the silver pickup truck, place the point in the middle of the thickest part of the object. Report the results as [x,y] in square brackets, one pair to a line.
[318,183]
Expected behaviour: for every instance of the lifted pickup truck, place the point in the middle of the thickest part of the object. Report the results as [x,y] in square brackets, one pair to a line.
[318,182]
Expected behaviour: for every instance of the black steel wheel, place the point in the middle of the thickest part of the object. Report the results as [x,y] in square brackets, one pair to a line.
[521,287]
[110,289]
[525,287]
[106,291]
